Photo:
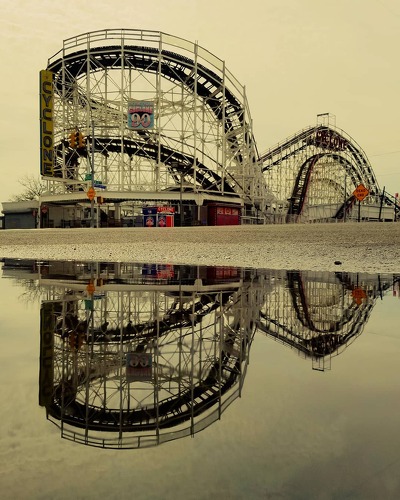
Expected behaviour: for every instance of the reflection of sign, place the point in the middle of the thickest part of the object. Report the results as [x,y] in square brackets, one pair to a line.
[140,115]
[138,366]
[159,271]
[90,288]
[358,295]
[165,272]
[360,192]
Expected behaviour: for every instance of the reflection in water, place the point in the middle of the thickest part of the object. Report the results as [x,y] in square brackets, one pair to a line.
[136,355]
[145,353]
[318,313]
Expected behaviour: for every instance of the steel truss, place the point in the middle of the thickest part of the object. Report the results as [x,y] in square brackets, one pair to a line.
[202,136]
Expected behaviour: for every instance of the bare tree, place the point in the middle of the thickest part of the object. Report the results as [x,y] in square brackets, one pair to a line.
[33,188]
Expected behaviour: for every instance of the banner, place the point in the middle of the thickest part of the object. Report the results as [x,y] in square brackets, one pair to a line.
[140,115]
[46,123]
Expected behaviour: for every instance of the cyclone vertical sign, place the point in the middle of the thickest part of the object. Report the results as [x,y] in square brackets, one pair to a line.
[46,123]
[140,115]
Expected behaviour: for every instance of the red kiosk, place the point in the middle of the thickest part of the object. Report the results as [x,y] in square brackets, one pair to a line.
[158,216]
[223,214]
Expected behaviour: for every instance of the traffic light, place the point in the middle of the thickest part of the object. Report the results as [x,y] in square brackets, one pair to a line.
[77,140]
[72,140]
[81,141]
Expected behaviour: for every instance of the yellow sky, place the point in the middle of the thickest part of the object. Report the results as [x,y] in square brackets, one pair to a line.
[297,58]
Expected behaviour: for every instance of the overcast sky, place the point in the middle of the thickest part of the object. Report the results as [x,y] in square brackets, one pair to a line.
[297,58]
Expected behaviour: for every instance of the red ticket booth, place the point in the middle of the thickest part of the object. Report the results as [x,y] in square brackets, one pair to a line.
[220,214]
[158,216]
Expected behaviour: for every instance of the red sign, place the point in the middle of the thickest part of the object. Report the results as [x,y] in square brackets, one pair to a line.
[169,210]
[360,192]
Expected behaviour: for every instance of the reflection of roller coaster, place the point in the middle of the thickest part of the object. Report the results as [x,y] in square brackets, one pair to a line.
[136,355]
[193,331]
[320,314]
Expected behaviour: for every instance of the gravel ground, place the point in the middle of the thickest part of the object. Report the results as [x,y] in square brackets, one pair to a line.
[352,247]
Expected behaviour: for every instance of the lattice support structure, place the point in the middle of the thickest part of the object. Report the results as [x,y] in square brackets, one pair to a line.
[312,175]
[198,131]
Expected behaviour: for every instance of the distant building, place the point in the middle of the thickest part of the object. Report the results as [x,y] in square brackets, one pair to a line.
[20,214]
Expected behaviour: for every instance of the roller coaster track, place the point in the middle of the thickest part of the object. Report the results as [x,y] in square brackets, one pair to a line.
[172,66]
[172,410]
[143,332]
[169,412]
[202,76]
[178,163]
[304,175]
[359,168]
[322,342]
[316,143]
